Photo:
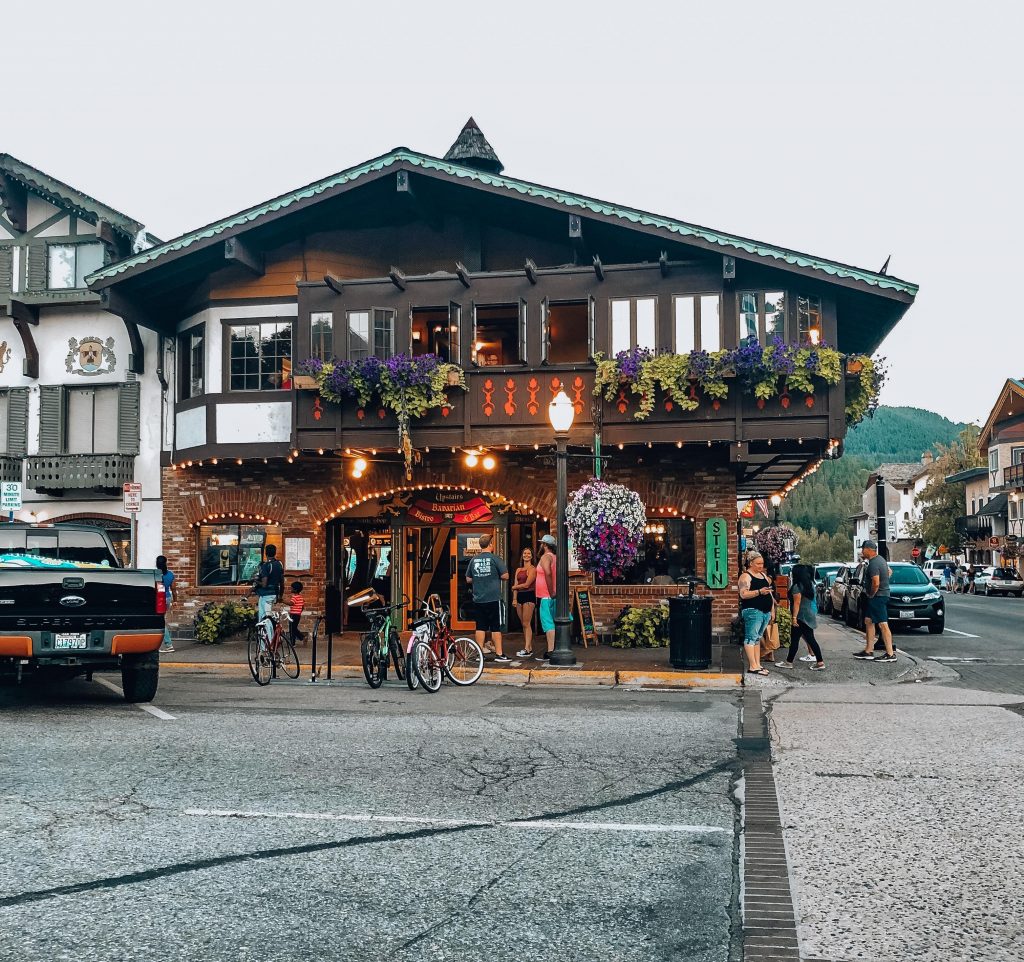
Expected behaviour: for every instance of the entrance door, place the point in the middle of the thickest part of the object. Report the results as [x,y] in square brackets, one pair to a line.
[464,546]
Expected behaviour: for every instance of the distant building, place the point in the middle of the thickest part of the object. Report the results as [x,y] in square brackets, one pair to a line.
[903,483]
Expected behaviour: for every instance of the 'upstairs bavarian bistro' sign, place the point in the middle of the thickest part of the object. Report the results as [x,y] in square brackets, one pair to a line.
[449,507]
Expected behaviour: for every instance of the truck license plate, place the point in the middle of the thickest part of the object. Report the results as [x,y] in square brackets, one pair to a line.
[906,614]
[71,640]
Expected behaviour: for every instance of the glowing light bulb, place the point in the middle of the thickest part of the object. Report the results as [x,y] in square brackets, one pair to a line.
[489,463]
[360,465]
[471,460]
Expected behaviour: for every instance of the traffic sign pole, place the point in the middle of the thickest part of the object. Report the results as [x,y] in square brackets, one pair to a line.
[10,498]
[133,505]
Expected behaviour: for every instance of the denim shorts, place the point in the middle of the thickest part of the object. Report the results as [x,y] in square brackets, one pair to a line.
[754,624]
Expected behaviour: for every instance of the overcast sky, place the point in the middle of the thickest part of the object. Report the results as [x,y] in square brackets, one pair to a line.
[850,131]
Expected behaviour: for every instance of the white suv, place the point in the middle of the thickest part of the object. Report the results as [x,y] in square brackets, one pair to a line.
[936,570]
[1005,581]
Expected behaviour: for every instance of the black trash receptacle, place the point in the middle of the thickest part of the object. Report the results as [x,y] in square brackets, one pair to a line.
[689,632]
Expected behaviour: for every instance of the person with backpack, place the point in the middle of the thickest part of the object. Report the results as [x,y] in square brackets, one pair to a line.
[269,583]
[167,578]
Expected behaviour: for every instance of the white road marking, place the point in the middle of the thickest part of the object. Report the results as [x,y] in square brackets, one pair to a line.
[534,825]
[152,709]
[963,634]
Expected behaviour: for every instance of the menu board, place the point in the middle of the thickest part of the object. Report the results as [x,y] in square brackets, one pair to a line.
[581,604]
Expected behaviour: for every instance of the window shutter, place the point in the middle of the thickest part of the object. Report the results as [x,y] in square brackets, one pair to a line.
[17,422]
[51,419]
[128,418]
[6,268]
[37,267]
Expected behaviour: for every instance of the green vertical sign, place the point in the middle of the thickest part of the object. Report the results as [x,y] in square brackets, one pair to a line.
[716,553]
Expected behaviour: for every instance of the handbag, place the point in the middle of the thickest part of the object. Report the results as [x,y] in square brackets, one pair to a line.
[770,639]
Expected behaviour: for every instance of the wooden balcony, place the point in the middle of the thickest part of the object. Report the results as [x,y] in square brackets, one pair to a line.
[67,472]
[509,406]
[10,469]
[1013,476]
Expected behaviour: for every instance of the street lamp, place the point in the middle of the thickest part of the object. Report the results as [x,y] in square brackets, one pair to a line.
[776,502]
[561,414]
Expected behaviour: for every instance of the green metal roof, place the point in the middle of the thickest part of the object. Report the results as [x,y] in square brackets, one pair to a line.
[526,189]
[56,190]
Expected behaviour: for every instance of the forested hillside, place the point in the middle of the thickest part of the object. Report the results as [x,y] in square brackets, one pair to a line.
[819,507]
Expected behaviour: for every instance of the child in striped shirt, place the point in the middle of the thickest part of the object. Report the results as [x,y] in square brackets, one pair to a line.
[296,604]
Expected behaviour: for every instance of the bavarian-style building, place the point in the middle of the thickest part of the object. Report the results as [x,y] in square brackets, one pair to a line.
[523,287]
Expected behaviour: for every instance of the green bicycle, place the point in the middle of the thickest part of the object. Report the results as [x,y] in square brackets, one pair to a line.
[381,645]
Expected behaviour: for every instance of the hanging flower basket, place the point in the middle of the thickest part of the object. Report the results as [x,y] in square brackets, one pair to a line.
[606,524]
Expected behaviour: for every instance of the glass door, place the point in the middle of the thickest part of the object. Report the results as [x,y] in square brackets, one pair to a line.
[464,547]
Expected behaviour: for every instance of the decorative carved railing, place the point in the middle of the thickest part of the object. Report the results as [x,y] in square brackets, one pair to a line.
[64,472]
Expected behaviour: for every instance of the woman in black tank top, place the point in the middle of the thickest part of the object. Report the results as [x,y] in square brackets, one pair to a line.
[756,604]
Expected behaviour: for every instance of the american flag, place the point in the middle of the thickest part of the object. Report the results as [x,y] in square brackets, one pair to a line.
[763,504]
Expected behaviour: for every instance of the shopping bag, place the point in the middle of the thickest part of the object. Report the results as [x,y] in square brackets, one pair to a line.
[770,639]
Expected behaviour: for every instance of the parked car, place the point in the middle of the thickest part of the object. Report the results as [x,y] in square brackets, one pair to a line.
[824,576]
[837,596]
[936,570]
[981,576]
[1005,581]
[913,600]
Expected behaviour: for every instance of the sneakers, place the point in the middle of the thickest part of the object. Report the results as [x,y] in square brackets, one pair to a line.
[807,658]
[523,653]
[887,658]
[542,658]
[864,655]
[502,658]
[785,664]
[164,649]
[817,667]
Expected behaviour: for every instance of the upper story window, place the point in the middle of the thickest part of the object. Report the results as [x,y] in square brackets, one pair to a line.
[993,463]
[92,420]
[634,322]
[567,331]
[762,316]
[371,332]
[69,264]
[697,322]
[808,320]
[499,335]
[192,346]
[321,335]
[1017,455]
[260,356]
[435,330]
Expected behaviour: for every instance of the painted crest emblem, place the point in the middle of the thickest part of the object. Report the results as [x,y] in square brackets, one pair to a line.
[5,355]
[90,356]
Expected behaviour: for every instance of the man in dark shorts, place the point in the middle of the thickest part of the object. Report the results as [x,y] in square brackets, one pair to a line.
[486,572]
[876,589]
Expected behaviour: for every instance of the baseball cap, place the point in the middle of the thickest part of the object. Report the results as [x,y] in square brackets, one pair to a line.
[549,539]
[869,544]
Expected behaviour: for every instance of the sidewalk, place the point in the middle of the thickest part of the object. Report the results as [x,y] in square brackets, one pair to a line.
[596,664]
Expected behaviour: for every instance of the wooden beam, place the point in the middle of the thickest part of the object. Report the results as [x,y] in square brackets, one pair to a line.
[397,278]
[25,317]
[238,252]
[663,263]
[463,275]
[531,271]
[14,202]
[132,316]
[598,268]
[334,283]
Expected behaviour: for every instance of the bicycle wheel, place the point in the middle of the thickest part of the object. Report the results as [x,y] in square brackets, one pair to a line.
[372,667]
[261,664]
[288,659]
[395,653]
[429,670]
[410,673]
[465,661]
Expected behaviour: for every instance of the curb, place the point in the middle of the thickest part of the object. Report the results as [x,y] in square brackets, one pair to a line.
[568,678]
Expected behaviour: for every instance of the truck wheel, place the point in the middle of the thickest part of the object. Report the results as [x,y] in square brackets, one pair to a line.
[139,676]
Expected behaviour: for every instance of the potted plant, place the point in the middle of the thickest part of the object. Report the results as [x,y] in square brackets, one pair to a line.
[606,523]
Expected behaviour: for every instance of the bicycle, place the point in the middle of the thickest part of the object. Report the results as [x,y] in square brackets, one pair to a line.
[380,645]
[444,656]
[270,647]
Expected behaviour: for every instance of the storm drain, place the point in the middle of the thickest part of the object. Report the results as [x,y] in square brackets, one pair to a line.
[769,922]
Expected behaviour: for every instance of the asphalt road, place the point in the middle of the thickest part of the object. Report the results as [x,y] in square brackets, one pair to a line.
[340,823]
[983,642]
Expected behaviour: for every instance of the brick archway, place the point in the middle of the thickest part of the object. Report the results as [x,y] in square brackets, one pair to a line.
[90,516]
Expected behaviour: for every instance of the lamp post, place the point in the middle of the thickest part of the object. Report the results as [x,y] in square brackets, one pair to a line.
[561,414]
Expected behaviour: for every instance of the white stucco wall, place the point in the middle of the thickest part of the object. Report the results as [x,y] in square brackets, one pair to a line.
[254,423]
[190,428]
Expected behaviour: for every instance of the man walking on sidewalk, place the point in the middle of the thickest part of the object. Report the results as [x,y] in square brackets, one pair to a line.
[486,572]
[876,587]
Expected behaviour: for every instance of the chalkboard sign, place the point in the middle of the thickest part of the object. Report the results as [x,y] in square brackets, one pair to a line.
[581,602]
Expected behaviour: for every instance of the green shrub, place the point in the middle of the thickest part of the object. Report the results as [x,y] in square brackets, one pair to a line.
[641,628]
[785,620]
[214,622]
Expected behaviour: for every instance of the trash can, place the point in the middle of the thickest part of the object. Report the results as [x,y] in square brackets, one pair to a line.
[689,631]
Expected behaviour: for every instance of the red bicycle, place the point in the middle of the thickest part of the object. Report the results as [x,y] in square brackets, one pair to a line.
[435,653]
[270,647]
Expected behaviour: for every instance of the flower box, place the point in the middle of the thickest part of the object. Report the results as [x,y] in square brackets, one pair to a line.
[304,382]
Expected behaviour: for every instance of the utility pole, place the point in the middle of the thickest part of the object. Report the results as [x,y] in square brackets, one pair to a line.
[883,534]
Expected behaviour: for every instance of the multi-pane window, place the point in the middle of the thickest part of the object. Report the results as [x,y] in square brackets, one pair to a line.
[499,334]
[634,323]
[1017,455]
[260,356]
[92,420]
[808,320]
[321,334]
[371,332]
[69,264]
[230,554]
[698,324]
[192,345]
[762,316]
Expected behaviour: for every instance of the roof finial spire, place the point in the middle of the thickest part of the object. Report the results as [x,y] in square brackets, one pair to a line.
[471,149]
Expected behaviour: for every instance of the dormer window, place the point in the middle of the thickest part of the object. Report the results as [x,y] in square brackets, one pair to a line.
[69,264]
[762,316]
[808,320]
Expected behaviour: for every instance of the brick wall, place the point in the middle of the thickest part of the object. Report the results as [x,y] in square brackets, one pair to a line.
[302,497]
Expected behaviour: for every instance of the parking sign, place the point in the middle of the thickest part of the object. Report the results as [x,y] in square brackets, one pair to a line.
[132,497]
[10,496]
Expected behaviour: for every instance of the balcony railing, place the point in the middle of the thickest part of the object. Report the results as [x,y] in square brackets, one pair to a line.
[10,469]
[1013,476]
[64,472]
[974,526]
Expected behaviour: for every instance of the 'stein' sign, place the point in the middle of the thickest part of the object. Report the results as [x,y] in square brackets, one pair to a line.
[716,552]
